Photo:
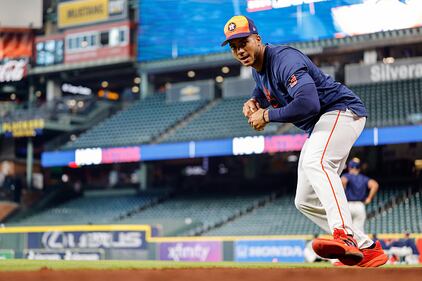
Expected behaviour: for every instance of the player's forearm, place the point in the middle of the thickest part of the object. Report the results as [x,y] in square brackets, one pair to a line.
[373,189]
[305,104]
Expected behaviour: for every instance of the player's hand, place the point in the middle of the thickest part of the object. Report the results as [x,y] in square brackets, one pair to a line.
[367,201]
[256,120]
[249,107]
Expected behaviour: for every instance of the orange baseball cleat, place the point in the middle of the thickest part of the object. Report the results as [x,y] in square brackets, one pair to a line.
[373,257]
[342,247]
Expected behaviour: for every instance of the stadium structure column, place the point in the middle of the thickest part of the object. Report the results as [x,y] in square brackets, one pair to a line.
[143,176]
[30,146]
[29,162]
[145,88]
[53,92]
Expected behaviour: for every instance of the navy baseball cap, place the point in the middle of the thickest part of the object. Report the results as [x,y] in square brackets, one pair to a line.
[354,163]
[238,27]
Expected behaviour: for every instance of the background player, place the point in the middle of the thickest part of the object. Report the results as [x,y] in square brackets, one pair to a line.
[360,190]
[291,89]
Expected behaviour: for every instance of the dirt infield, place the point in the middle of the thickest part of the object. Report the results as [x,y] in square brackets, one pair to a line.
[222,274]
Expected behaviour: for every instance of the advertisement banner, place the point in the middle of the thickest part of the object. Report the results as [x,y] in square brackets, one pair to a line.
[269,250]
[24,128]
[191,91]
[12,70]
[16,45]
[198,251]
[87,240]
[400,69]
[121,154]
[284,143]
[76,13]
[101,41]
[84,255]
[6,254]
[49,50]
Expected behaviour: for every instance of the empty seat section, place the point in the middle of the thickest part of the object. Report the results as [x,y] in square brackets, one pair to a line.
[279,217]
[89,209]
[223,120]
[202,210]
[139,123]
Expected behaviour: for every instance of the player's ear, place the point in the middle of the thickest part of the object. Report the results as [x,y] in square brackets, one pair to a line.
[258,38]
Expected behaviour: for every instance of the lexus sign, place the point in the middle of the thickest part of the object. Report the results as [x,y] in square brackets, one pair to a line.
[12,70]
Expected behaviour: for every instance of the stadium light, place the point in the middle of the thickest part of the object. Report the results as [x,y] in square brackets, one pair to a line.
[219,79]
[191,73]
[135,89]
[225,69]
[388,60]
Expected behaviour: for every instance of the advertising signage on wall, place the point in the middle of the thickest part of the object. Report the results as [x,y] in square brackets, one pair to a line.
[103,41]
[25,128]
[49,50]
[79,255]
[222,147]
[199,251]
[83,12]
[12,70]
[194,30]
[87,240]
[401,69]
[15,45]
[269,251]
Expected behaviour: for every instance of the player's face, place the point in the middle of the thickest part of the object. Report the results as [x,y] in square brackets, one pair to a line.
[246,49]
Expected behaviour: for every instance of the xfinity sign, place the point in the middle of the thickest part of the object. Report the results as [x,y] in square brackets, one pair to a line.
[399,70]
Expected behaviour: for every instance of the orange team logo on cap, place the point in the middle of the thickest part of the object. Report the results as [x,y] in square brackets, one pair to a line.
[231,26]
[236,25]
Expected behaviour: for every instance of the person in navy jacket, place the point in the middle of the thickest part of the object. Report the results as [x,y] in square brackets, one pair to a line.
[290,88]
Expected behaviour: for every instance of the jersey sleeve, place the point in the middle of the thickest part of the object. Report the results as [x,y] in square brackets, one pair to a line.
[291,71]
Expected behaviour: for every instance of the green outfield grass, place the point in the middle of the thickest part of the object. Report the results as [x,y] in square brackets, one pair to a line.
[23,265]
[18,265]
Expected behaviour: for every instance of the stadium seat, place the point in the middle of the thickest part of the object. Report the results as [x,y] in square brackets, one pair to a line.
[140,123]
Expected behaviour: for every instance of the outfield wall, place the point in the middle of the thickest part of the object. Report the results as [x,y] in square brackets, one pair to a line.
[138,242]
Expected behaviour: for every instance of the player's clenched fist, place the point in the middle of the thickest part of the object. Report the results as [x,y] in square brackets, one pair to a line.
[259,119]
[249,107]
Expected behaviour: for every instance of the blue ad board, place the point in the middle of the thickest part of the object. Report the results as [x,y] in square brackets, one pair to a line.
[269,250]
[175,28]
[209,148]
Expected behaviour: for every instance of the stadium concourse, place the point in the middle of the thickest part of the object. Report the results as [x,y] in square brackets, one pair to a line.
[122,138]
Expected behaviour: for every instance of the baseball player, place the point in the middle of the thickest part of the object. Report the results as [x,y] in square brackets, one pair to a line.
[359,192]
[291,89]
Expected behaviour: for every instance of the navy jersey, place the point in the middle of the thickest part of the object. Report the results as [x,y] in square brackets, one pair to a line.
[285,71]
[357,187]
